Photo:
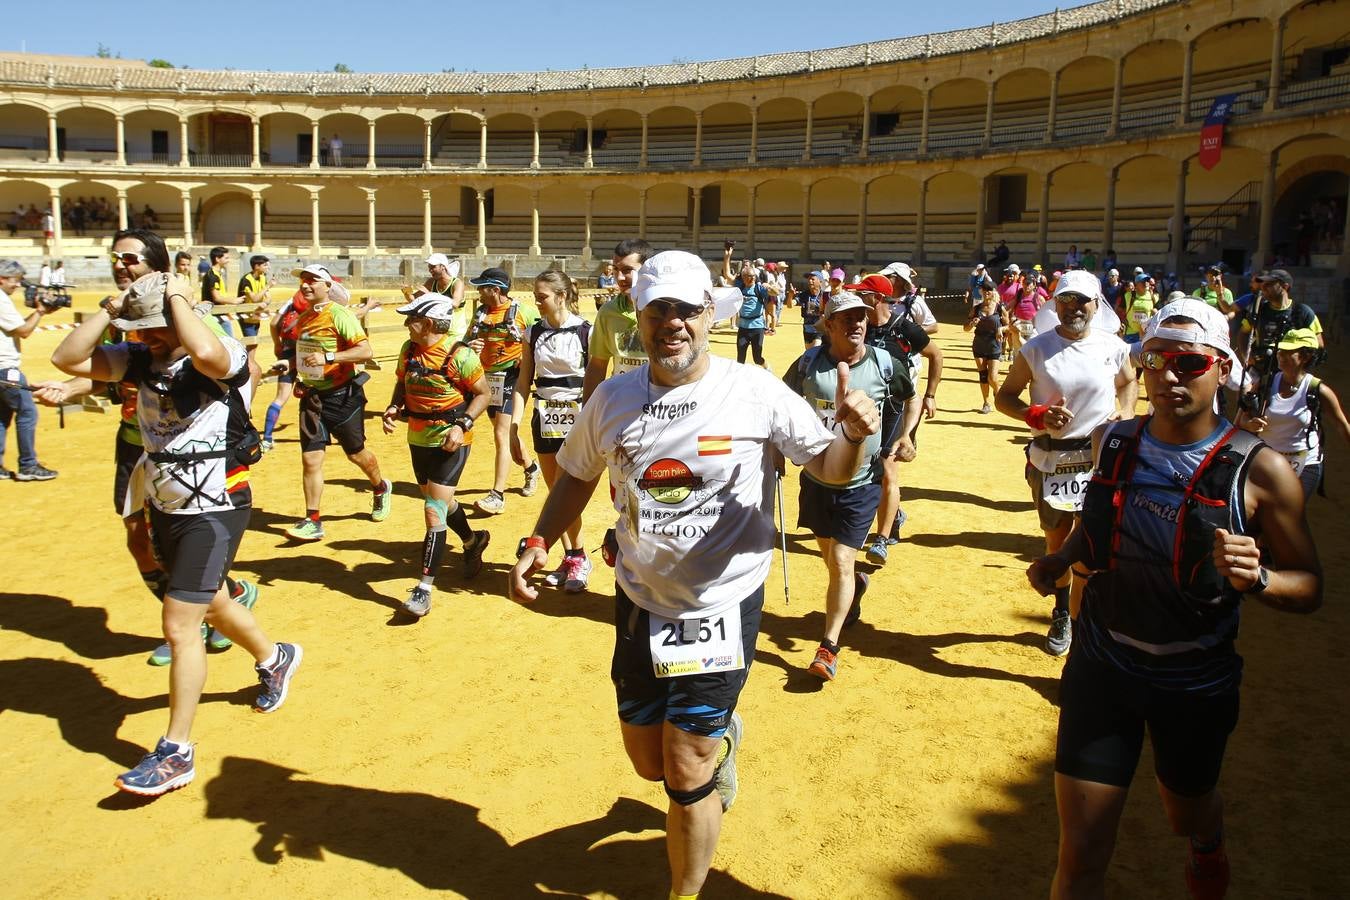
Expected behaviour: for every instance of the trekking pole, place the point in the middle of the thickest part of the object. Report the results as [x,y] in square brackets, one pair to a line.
[782,536]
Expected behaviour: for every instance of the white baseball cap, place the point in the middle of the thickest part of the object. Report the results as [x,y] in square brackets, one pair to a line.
[429,306]
[899,270]
[438,259]
[683,277]
[1013,268]
[1212,325]
[318,271]
[1078,281]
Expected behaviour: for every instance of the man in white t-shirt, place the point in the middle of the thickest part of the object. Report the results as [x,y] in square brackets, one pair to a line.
[16,402]
[1080,376]
[688,443]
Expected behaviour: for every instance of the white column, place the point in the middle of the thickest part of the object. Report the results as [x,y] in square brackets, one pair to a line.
[370,221]
[256,163]
[257,220]
[187,218]
[642,212]
[1187,70]
[642,154]
[750,221]
[482,144]
[590,149]
[426,222]
[923,123]
[696,226]
[313,144]
[122,217]
[1178,251]
[590,202]
[980,203]
[1109,213]
[1117,90]
[183,158]
[860,239]
[314,221]
[866,126]
[426,144]
[1265,230]
[921,222]
[754,135]
[810,124]
[53,155]
[1276,65]
[989,115]
[121,138]
[481,249]
[535,249]
[1043,222]
[56,217]
[370,144]
[1053,112]
[804,248]
[534,157]
[698,137]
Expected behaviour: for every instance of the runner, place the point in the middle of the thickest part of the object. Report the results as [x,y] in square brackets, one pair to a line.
[193,411]
[1137,306]
[443,278]
[1213,290]
[813,306]
[329,343]
[686,438]
[908,302]
[1292,423]
[282,328]
[1027,300]
[752,320]
[840,516]
[1181,491]
[553,363]
[1079,376]
[440,390]
[497,335]
[989,322]
[615,336]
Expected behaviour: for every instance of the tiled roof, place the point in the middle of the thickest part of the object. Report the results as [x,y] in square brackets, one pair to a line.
[16,71]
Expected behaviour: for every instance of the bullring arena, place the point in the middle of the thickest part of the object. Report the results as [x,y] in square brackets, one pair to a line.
[475,752]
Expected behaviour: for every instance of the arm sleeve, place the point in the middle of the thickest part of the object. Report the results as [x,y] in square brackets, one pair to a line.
[242,290]
[401,368]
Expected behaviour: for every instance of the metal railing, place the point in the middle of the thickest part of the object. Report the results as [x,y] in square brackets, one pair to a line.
[1225,215]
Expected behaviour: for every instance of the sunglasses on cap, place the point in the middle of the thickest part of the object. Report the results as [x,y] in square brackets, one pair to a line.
[1183,362]
[126,258]
[684,311]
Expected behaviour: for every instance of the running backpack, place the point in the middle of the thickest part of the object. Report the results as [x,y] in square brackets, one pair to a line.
[539,330]
[885,362]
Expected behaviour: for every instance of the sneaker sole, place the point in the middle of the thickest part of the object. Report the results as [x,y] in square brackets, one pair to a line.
[286,683]
[1056,653]
[575,587]
[249,598]
[34,477]
[172,784]
[419,613]
[220,643]
[304,539]
[820,672]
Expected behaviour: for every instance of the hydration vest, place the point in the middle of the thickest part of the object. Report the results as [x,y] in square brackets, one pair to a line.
[507,324]
[243,443]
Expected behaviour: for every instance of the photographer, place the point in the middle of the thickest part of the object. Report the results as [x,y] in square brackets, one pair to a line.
[16,402]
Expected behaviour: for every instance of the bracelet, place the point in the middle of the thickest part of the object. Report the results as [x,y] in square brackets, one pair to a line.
[1035,415]
[930,396]
[533,542]
[851,440]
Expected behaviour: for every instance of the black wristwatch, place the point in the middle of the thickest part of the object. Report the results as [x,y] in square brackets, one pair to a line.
[465,422]
[1262,580]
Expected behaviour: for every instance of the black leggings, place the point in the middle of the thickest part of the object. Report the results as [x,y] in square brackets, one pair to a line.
[750,338]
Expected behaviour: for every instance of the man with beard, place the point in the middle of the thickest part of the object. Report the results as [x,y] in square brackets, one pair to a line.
[687,440]
[1079,377]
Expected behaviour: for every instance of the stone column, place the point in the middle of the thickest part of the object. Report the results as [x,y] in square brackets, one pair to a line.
[981,201]
[370,221]
[866,126]
[989,115]
[696,226]
[590,143]
[481,248]
[121,138]
[56,218]
[313,144]
[1187,69]
[256,162]
[257,220]
[804,248]
[535,250]
[426,144]
[183,158]
[1276,66]
[750,221]
[586,237]
[921,223]
[1117,90]
[754,135]
[53,153]
[122,217]
[1043,221]
[810,125]
[1178,251]
[1265,231]
[534,153]
[698,137]
[642,153]
[426,222]
[642,212]
[314,222]
[370,144]
[1053,112]
[482,144]
[1109,213]
[187,218]
[860,246]
[923,123]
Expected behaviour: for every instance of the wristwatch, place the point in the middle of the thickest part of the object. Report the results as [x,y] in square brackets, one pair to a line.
[1262,580]
[330,357]
[533,542]
[465,422]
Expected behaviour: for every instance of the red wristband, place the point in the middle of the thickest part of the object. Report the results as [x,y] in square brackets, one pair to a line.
[1035,415]
[535,542]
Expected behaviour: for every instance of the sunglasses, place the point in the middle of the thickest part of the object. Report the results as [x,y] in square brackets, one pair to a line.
[684,311]
[126,259]
[1183,362]
[1073,299]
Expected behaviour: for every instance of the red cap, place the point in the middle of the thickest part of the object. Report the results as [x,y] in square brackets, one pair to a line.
[875,284]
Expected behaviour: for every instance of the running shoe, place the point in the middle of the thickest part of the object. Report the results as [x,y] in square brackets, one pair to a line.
[900,520]
[531,481]
[492,504]
[825,665]
[1060,636]
[306,530]
[473,553]
[558,576]
[985,410]
[6,474]
[34,472]
[164,769]
[382,503]
[419,601]
[725,774]
[578,573]
[248,594]
[266,446]
[217,641]
[860,582]
[276,679]
[876,551]
[161,655]
[1207,874]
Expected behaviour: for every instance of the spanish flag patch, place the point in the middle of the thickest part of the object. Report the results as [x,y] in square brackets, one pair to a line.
[714,444]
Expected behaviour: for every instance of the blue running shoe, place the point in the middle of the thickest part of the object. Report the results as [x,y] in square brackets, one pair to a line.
[276,679]
[166,769]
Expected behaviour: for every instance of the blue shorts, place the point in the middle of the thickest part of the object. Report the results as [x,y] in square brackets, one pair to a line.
[700,704]
[843,514]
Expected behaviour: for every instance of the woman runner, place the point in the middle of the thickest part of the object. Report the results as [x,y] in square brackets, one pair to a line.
[989,321]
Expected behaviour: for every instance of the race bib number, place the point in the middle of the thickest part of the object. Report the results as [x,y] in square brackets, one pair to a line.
[1139,316]
[1026,328]
[304,346]
[693,646]
[1298,459]
[556,417]
[825,409]
[627,364]
[1064,488]
[496,389]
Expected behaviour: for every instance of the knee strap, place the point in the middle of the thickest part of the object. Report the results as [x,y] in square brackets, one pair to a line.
[689,798]
[984,376]
[439,507]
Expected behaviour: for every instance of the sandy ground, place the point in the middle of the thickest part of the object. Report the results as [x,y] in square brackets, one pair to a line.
[477,752]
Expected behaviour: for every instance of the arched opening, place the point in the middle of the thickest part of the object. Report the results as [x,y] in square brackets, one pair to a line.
[158,207]
[832,221]
[892,214]
[722,217]
[286,217]
[782,130]
[1086,91]
[456,140]
[86,134]
[285,139]
[225,217]
[88,209]
[726,134]
[670,138]
[562,140]
[668,210]
[1232,58]
[956,114]
[1077,201]
[399,139]
[24,203]
[1316,52]
[508,228]
[778,219]
[614,216]
[836,126]
[897,119]
[24,133]
[1021,108]
[344,140]
[949,222]
[562,222]
[1145,189]
[152,136]
[616,139]
[1150,94]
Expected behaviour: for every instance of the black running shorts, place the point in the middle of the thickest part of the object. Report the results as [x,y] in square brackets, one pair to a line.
[336,414]
[197,550]
[434,465]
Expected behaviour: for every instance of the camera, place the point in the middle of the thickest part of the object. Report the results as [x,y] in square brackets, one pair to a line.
[50,297]
[729,245]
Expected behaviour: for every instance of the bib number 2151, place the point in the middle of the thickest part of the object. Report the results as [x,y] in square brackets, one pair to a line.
[691,646]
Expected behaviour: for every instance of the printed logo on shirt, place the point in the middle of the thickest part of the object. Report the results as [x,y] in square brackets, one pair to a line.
[1165,511]
[660,410]
[714,444]
[669,481]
